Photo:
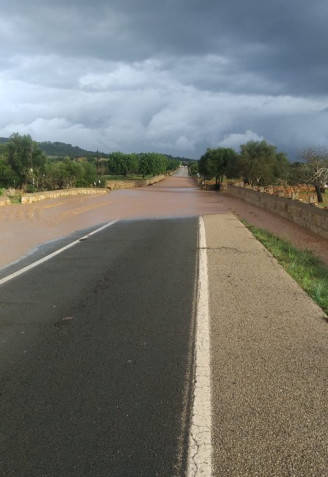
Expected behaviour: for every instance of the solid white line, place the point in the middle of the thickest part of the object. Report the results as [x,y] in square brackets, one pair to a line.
[200,438]
[53,254]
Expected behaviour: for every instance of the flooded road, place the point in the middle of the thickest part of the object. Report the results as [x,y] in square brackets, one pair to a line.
[26,226]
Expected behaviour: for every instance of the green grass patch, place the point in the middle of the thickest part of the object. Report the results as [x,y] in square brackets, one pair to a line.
[306,269]
[15,199]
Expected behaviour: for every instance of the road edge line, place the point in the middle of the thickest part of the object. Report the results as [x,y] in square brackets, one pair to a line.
[53,254]
[200,437]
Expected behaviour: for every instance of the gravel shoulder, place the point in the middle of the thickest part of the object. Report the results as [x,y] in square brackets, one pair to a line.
[269,361]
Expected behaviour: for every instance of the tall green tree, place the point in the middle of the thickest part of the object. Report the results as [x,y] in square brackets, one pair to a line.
[25,158]
[214,163]
[123,164]
[261,164]
[152,163]
[8,177]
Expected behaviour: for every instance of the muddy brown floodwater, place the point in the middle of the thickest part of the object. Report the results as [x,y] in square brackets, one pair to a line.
[26,226]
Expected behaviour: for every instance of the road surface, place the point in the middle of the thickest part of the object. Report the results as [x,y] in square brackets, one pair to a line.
[104,354]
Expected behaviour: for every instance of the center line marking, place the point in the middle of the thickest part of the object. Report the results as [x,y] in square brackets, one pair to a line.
[53,254]
[200,438]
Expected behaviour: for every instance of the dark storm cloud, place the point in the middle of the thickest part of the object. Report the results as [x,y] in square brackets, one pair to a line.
[282,43]
[174,74]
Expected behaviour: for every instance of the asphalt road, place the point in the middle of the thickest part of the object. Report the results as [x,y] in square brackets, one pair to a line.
[99,359]
[96,356]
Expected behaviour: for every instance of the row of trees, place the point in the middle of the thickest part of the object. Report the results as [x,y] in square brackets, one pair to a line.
[259,163]
[144,164]
[24,165]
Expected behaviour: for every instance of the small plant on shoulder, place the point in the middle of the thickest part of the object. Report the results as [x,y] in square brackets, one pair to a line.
[15,199]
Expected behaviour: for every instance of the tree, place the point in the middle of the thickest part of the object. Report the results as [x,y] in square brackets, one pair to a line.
[152,163]
[315,168]
[117,163]
[193,168]
[8,177]
[295,173]
[215,161]
[69,173]
[172,164]
[121,164]
[25,158]
[261,164]
[55,177]
[89,175]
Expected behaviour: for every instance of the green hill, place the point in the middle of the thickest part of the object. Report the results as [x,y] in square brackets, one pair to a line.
[61,149]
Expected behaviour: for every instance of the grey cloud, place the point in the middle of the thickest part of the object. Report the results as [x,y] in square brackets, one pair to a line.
[175,74]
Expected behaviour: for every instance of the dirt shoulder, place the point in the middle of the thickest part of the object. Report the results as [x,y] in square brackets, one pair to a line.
[283,228]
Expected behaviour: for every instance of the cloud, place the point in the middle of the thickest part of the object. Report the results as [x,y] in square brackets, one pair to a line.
[176,77]
[234,141]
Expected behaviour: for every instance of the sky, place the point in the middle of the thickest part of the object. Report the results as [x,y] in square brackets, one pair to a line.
[169,76]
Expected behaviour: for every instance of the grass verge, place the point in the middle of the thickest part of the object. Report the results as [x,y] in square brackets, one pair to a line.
[306,269]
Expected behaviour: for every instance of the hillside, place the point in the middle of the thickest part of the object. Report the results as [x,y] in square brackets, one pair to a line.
[61,149]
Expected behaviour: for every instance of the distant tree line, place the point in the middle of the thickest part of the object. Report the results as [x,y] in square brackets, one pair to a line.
[144,164]
[260,164]
[23,165]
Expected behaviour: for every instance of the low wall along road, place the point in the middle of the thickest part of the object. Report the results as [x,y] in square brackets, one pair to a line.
[306,215]
[110,185]
[114,185]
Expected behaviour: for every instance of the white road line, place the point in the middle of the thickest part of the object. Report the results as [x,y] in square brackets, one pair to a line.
[200,438]
[53,254]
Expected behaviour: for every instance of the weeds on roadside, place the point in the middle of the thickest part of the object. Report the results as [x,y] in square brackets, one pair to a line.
[15,199]
[306,269]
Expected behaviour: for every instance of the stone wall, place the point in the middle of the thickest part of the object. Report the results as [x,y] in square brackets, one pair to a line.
[4,201]
[306,215]
[54,194]
[110,185]
[115,185]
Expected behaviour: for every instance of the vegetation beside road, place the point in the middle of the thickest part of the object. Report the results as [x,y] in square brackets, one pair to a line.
[25,167]
[260,164]
[306,269]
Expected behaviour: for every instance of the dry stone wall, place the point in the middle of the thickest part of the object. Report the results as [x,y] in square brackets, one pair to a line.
[115,185]
[54,194]
[306,215]
[4,201]
[110,185]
